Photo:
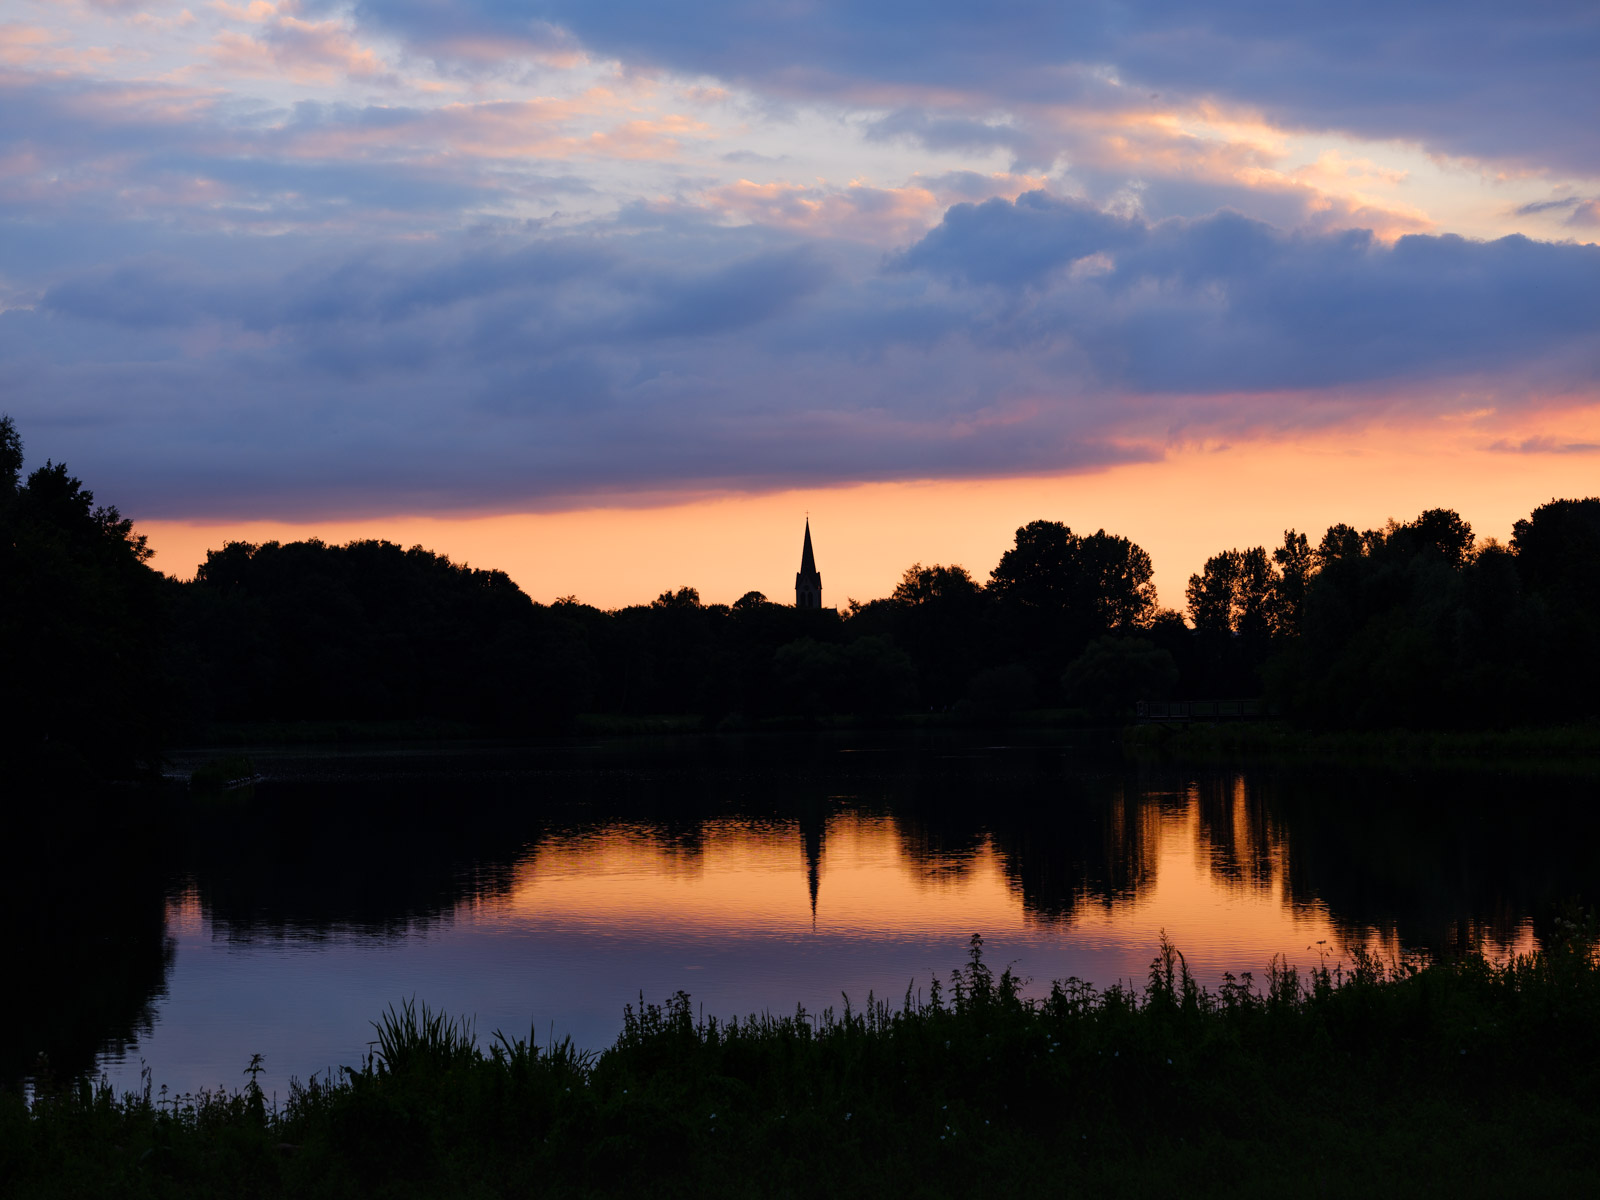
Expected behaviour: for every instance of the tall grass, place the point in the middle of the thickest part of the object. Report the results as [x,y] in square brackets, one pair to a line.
[413,1038]
[1471,1075]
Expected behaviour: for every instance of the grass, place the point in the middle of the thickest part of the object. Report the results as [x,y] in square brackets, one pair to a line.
[1460,1078]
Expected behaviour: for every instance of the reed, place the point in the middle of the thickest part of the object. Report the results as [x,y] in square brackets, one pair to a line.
[1472,1076]
[416,1038]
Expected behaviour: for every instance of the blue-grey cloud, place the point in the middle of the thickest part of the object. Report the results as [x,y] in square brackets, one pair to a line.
[999,241]
[1542,445]
[657,350]
[752,156]
[1581,211]
[1470,77]
[1566,204]
[128,160]
[1224,302]
[734,297]
[951,133]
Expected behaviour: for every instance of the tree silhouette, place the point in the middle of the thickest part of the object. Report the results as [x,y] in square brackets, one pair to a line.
[1097,581]
[1054,591]
[1211,594]
[1439,531]
[920,585]
[1409,624]
[10,458]
[1558,550]
[1296,564]
[1112,673]
[1236,592]
[868,675]
[1557,555]
[83,627]
[370,631]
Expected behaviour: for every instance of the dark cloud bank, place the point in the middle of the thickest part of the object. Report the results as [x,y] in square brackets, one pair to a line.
[1478,78]
[296,376]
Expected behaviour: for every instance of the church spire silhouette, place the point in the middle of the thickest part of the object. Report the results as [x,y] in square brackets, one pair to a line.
[807,583]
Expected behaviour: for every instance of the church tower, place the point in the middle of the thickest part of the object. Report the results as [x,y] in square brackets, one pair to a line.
[808,584]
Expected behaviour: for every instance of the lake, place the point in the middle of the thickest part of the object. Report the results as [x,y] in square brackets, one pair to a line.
[544,887]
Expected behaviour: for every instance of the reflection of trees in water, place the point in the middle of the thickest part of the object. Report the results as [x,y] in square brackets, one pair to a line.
[330,846]
[1437,861]
[1239,837]
[310,861]
[939,851]
[1063,836]
[88,952]
[1095,849]
[1443,861]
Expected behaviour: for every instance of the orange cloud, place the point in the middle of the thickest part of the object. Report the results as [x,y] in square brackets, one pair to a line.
[257,11]
[657,138]
[37,48]
[1209,146]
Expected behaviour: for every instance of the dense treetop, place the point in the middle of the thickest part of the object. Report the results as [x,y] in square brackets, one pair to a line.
[84,625]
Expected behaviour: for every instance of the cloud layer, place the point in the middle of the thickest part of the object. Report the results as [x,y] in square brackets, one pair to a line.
[1476,78]
[284,259]
[656,354]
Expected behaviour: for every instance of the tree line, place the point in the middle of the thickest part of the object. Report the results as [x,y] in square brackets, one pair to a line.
[1414,624]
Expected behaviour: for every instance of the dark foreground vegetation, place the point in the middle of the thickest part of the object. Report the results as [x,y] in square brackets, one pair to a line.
[1463,1077]
[1418,625]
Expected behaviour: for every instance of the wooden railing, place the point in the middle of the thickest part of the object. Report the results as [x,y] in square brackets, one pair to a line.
[1203,710]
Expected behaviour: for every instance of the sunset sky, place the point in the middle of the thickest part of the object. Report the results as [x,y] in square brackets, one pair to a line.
[611,294]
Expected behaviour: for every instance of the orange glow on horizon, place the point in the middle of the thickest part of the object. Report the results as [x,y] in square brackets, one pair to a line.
[1182,509]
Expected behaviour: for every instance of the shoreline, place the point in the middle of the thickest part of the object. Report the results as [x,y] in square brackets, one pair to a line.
[1464,1076]
[1570,749]
[1575,744]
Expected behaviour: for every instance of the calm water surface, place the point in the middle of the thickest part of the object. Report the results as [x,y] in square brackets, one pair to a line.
[547,887]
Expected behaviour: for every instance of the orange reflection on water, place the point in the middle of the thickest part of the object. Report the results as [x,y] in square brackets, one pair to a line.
[1217,888]
[743,877]
[1213,879]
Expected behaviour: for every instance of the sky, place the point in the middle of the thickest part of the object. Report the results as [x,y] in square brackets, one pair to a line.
[612,294]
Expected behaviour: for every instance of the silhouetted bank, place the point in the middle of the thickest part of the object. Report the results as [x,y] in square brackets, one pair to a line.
[85,629]
[1461,1077]
[1414,625]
